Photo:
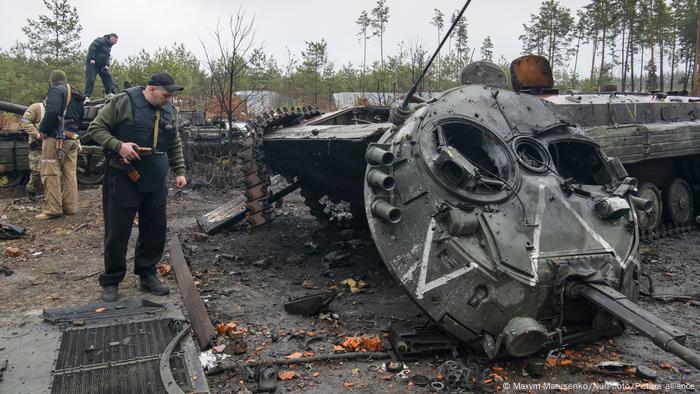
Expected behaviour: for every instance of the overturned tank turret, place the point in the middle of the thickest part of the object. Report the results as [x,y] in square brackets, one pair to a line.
[484,232]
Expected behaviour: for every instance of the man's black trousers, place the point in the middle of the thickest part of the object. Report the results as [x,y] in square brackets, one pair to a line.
[91,72]
[121,200]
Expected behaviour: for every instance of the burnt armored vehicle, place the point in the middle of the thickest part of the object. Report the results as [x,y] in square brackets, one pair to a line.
[656,137]
[497,213]
[14,166]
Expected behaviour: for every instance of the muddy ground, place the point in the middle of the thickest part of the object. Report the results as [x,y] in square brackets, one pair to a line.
[246,279]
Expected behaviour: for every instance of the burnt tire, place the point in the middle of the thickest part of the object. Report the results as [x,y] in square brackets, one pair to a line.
[90,168]
[651,220]
[678,201]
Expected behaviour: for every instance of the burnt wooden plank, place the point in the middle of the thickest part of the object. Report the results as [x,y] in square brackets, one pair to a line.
[224,216]
[199,319]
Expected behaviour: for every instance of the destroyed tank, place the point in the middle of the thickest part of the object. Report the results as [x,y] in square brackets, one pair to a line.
[14,166]
[495,210]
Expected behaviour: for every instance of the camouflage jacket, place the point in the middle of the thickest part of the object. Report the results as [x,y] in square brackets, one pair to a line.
[30,121]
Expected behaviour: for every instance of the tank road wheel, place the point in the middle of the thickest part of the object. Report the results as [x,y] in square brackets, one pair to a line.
[649,221]
[678,201]
[91,168]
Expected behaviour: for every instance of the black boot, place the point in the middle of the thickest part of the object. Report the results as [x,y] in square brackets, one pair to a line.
[32,196]
[152,285]
[110,293]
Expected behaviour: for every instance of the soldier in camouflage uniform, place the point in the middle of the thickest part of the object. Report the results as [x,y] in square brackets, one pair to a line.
[30,124]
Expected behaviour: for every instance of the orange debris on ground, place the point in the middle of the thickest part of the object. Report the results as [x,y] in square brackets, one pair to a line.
[164,269]
[294,355]
[100,310]
[352,344]
[372,343]
[364,343]
[286,375]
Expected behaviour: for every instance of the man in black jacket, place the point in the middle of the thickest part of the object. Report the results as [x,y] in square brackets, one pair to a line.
[59,150]
[97,62]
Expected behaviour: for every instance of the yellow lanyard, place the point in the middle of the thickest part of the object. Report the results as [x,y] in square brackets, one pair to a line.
[68,97]
[155,130]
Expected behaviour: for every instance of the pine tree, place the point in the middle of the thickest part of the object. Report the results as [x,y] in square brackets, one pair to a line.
[487,49]
[380,17]
[548,33]
[696,69]
[315,63]
[461,34]
[56,36]
[364,22]
[439,22]
[661,21]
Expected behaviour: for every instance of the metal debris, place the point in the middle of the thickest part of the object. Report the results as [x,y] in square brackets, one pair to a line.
[311,304]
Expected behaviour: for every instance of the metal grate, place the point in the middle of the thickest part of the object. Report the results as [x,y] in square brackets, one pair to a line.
[121,342]
[141,377]
[122,358]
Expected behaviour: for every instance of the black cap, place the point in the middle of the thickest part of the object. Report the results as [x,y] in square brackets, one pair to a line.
[164,80]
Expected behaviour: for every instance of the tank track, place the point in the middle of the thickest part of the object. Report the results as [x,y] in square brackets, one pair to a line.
[256,174]
[284,117]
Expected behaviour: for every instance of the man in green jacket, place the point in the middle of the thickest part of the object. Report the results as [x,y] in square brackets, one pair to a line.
[136,183]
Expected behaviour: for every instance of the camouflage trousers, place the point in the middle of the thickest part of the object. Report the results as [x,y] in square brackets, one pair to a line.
[58,174]
[34,166]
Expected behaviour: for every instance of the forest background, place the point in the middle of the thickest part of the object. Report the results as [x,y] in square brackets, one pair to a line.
[636,45]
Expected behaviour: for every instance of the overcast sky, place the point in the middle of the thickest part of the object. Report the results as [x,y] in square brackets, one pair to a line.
[281,24]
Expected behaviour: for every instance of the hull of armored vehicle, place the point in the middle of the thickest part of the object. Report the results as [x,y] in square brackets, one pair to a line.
[657,138]
[14,167]
[326,154]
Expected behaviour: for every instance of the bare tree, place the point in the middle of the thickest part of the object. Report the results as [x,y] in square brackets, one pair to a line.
[228,62]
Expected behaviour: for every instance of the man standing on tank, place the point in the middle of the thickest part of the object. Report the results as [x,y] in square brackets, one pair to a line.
[133,183]
[97,62]
[60,147]
[30,124]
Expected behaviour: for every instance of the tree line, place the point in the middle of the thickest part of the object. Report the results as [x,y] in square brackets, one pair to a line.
[636,45]
[640,45]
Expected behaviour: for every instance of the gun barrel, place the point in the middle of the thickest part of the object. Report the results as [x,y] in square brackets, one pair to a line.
[13,108]
[663,334]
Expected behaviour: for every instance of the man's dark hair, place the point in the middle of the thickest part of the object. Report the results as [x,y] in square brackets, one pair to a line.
[113,35]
